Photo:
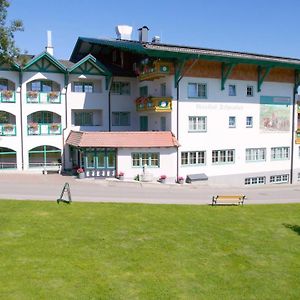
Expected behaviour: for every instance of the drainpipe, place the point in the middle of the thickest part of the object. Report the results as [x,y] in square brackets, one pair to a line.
[21,118]
[293,135]
[177,98]
[66,122]
[109,104]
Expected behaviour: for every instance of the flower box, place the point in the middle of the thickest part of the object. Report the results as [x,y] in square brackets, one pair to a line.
[180,180]
[7,94]
[8,127]
[53,95]
[32,94]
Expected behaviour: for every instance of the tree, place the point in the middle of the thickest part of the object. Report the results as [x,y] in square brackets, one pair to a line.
[8,50]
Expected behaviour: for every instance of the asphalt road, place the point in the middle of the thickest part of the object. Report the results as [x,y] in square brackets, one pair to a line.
[23,186]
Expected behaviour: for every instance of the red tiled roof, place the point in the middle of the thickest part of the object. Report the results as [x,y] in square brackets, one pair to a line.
[126,139]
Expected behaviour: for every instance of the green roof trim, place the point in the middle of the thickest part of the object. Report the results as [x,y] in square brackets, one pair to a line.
[44,68]
[89,65]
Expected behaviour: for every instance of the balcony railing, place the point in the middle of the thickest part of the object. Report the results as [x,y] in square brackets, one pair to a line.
[7,165]
[43,98]
[157,70]
[156,104]
[8,129]
[8,97]
[44,129]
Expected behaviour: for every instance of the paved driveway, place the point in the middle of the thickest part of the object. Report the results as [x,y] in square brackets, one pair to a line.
[48,187]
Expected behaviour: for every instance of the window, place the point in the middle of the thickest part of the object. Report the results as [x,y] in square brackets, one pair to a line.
[280,153]
[144,91]
[83,87]
[223,156]
[83,118]
[42,117]
[256,154]
[41,86]
[232,90]
[121,119]
[120,88]
[250,91]
[249,122]
[163,90]
[279,178]
[197,124]
[197,90]
[298,177]
[231,122]
[3,84]
[146,158]
[255,180]
[193,158]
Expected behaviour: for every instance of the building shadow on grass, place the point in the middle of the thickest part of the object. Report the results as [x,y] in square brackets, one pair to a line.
[295,228]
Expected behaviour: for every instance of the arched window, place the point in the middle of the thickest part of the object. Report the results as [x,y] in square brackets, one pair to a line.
[44,156]
[8,158]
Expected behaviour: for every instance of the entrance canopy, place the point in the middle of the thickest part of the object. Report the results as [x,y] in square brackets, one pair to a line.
[126,139]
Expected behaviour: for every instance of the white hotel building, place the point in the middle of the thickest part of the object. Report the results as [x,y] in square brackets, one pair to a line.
[119,104]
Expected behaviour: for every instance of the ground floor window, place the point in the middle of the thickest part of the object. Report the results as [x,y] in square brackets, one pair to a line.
[280,153]
[8,158]
[223,156]
[284,178]
[44,156]
[151,159]
[193,158]
[255,180]
[256,154]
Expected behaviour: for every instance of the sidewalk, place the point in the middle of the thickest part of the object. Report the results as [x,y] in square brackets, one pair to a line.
[48,187]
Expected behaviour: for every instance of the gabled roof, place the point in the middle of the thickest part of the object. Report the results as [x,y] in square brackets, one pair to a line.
[89,65]
[175,52]
[125,139]
[37,64]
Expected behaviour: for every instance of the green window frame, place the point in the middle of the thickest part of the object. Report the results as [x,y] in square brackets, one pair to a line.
[120,88]
[280,153]
[3,84]
[144,91]
[192,158]
[43,86]
[151,159]
[83,87]
[120,118]
[197,90]
[226,156]
[256,154]
[83,118]
[197,123]
[42,117]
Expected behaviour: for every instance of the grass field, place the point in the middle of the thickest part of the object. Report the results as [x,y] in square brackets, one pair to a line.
[136,251]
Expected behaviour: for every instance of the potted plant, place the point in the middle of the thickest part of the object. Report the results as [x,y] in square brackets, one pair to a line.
[80,172]
[7,94]
[54,126]
[52,96]
[162,178]
[121,176]
[32,94]
[180,180]
[8,127]
[33,126]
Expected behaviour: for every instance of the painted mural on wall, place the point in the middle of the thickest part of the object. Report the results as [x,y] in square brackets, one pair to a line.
[275,114]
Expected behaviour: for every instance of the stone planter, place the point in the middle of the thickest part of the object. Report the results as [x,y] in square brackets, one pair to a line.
[121,177]
[162,180]
[81,175]
[181,181]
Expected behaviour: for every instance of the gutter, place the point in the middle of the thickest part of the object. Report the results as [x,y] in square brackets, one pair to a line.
[293,135]
[21,117]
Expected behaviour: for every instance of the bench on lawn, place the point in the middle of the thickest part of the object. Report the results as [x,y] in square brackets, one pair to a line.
[196,177]
[228,199]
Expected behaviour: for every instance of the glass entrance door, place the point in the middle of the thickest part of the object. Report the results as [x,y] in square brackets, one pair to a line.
[100,162]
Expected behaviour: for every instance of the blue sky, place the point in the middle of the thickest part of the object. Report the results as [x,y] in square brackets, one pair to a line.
[265,26]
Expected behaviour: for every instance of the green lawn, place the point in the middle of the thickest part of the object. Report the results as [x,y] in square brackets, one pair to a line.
[136,251]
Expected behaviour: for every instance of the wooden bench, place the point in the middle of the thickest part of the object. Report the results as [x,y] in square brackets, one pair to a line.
[228,199]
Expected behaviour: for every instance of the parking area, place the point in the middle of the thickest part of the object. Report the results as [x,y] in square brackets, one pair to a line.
[23,186]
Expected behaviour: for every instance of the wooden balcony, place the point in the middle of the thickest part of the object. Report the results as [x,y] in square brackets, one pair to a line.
[154,104]
[158,69]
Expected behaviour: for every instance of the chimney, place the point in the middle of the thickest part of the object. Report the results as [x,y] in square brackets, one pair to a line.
[143,34]
[49,47]
[123,32]
[156,39]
